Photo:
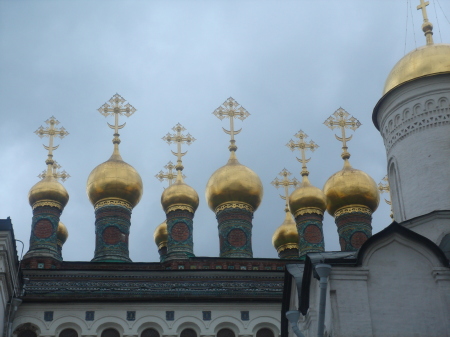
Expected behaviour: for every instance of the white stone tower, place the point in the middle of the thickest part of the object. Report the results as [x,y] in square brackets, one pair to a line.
[413,116]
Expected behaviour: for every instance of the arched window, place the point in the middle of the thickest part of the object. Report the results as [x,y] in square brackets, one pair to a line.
[110,333]
[226,333]
[188,333]
[150,333]
[68,333]
[27,333]
[265,332]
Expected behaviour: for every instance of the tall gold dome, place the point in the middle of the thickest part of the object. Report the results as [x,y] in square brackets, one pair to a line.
[49,192]
[350,187]
[179,193]
[307,196]
[114,179]
[61,234]
[234,182]
[161,235]
[432,59]
[286,236]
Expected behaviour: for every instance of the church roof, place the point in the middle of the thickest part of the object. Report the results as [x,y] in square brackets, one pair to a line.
[355,259]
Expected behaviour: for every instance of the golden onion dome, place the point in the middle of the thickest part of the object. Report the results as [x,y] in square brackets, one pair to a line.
[431,59]
[61,233]
[179,193]
[48,190]
[286,236]
[234,182]
[115,179]
[307,196]
[161,235]
[350,187]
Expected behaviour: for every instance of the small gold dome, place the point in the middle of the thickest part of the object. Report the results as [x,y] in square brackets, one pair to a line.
[427,60]
[161,235]
[234,182]
[286,236]
[48,189]
[179,193]
[114,179]
[62,233]
[351,187]
[307,196]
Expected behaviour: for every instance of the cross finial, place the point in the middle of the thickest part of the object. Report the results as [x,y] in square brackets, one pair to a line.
[169,175]
[385,188]
[231,109]
[343,120]
[63,175]
[51,131]
[179,138]
[286,184]
[116,107]
[302,145]
[427,27]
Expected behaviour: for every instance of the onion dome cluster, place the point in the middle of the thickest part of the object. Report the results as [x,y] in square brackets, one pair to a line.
[48,192]
[350,187]
[179,195]
[286,236]
[307,197]
[115,181]
[61,234]
[161,235]
[234,183]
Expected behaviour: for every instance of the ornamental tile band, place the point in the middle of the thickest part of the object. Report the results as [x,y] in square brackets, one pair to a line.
[353,209]
[234,204]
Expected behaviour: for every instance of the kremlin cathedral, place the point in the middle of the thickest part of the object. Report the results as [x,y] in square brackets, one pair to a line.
[392,283]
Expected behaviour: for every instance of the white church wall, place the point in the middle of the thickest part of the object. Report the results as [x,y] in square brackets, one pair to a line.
[350,301]
[415,158]
[9,283]
[404,297]
[150,315]
[433,226]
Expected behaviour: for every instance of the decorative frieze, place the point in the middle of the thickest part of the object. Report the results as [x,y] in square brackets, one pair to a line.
[414,117]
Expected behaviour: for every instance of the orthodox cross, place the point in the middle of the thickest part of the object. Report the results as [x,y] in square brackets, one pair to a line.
[179,138]
[63,175]
[51,131]
[302,145]
[169,175]
[385,188]
[116,107]
[286,183]
[423,6]
[231,109]
[428,29]
[343,121]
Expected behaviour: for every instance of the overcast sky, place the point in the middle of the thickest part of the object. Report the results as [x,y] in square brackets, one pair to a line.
[291,64]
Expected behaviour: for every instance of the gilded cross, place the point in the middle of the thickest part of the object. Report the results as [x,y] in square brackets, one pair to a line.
[231,109]
[385,188]
[51,131]
[302,145]
[427,27]
[116,107]
[179,138]
[63,175]
[423,6]
[286,183]
[169,175]
[343,120]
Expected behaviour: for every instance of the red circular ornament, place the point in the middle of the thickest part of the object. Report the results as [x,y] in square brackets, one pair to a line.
[237,238]
[180,231]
